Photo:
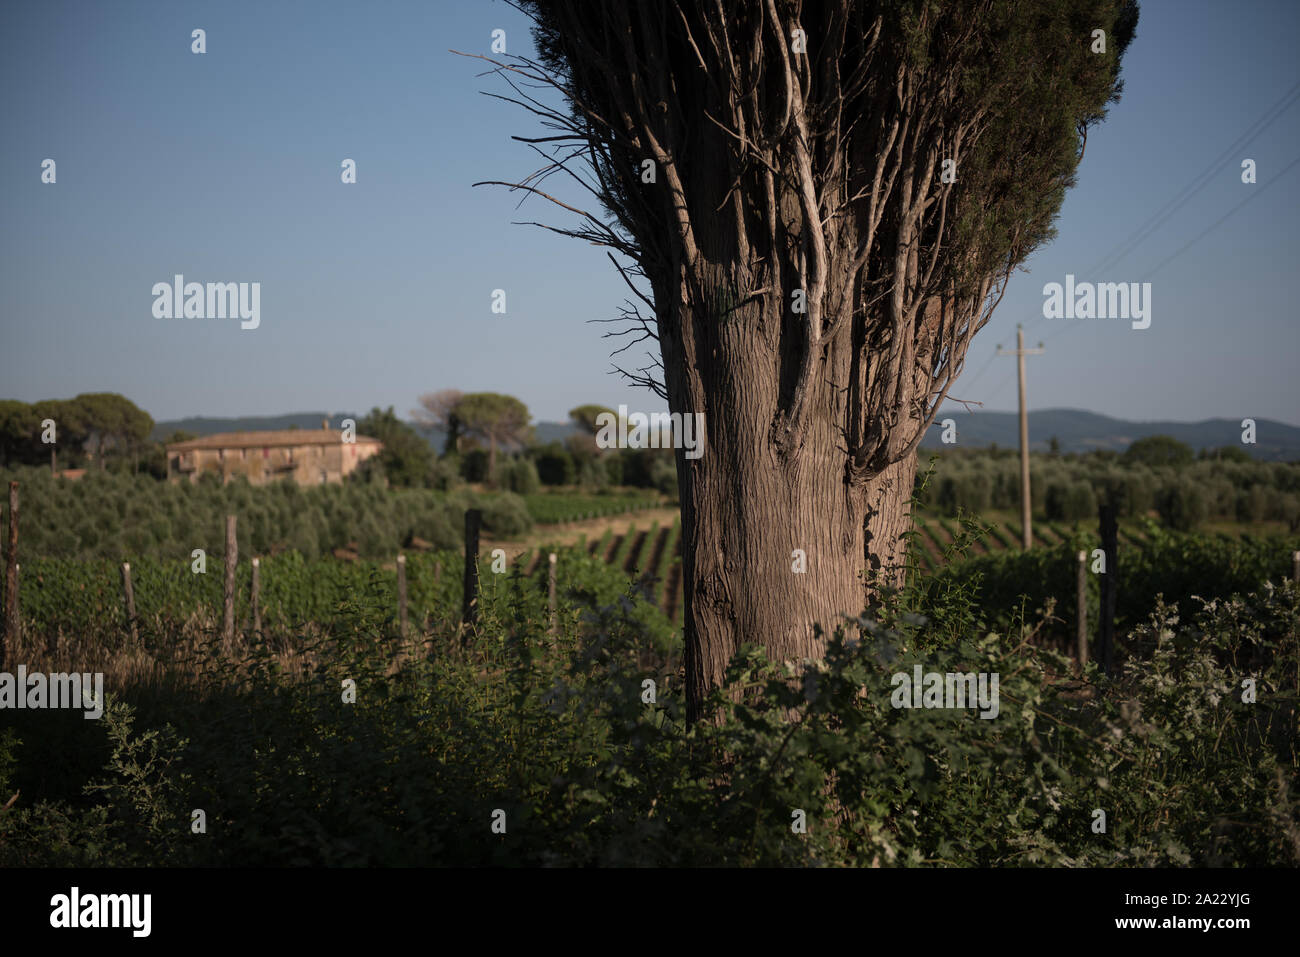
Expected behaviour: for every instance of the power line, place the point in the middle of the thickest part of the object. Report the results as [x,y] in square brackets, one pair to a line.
[1254,193]
[1203,233]
[1005,379]
[984,368]
[1162,215]
[1270,116]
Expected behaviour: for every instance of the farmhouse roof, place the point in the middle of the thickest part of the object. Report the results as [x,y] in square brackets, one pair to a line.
[276,438]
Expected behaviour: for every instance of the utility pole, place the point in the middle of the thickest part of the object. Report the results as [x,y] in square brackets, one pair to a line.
[1020,352]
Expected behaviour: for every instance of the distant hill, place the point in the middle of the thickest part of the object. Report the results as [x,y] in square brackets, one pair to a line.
[1079,431]
[1076,430]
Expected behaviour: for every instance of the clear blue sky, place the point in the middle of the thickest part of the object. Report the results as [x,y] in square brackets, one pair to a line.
[225,167]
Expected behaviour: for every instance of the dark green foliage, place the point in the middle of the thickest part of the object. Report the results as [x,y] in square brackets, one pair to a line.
[1070,501]
[474,465]
[557,733]
[1157,450]
[444,474]
[519,475]
[592,474]
[555,465]
[1253,504]
[406,460]
[644,468]
[1226,453]
[506,515]
[1288,510]
[663,476]
[1211,488]
[613,466]
[105,425]
[1183,505]
[636,467]
[119,517]
[1177,566]
[19,433]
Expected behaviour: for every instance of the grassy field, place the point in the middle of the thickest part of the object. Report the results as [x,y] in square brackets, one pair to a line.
[544,713]
[547,718]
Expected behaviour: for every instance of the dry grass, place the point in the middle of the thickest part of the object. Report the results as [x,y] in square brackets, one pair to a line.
[191,657]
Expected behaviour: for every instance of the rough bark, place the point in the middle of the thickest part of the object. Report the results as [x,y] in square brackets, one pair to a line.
[751,509]
[740,536]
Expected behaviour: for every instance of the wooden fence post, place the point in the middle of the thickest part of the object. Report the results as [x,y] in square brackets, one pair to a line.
[550,592]
[1081,613]
[469,614]
[232,558]
[11,576]
[128,596]
[254,595]
[1106,615]
[437,578]
[401,593]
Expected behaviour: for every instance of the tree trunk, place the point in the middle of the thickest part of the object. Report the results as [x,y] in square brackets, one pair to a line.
[772,543]
[741,553]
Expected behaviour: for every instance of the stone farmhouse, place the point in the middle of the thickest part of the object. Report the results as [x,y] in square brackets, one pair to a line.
[308,456]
